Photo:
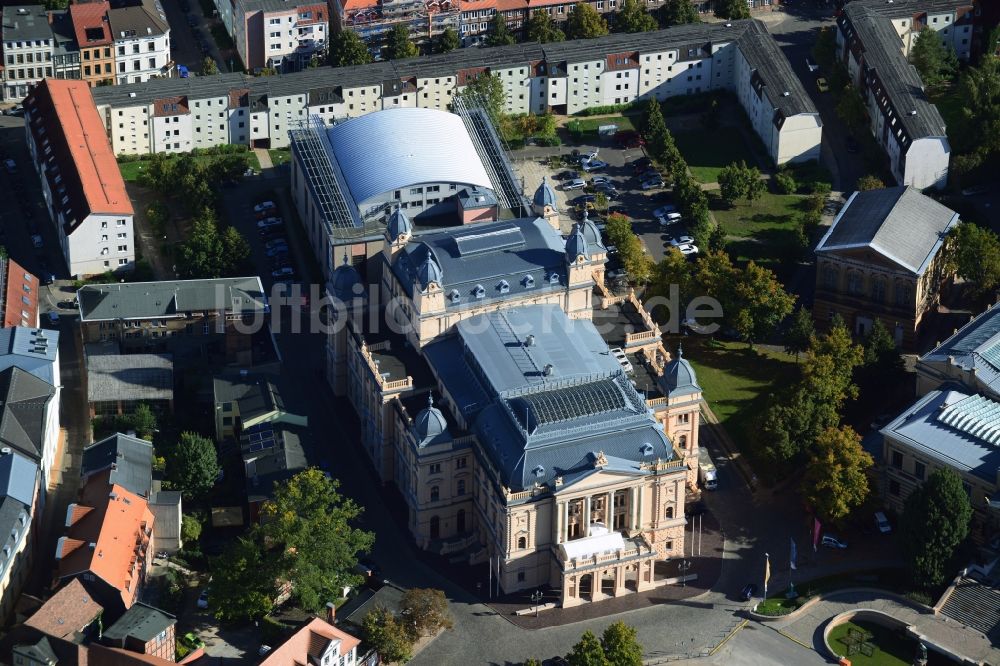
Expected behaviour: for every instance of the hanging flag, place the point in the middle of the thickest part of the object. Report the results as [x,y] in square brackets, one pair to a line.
[816,531]
[794,555]
[767,569]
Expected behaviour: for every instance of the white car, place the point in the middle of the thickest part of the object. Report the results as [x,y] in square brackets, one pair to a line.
[594,165]
[284,271]
[688,250]
[36,240]
[668,219]
[622,359]
[575,184]
[652,184]
[264,206]
[270,222]
[203,599]
[600,180]
[680,240]
[882,523]
[834,542]
[664,210]
[616,273]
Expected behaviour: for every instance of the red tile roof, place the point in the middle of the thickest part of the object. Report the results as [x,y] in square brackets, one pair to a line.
[114,539]
[67,612]
[19,294]
[309,641]
[91,24]
[62,112]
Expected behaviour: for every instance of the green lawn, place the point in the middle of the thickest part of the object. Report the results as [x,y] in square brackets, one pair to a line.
[591,125]
[737,381]
[280,155]
[132,170]
[765,230]
[891,648]
[708,151]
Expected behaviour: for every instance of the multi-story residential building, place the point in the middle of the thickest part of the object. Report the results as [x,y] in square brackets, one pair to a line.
[276,34]
[947,428]
[477,17]
[970,358]
[145,630]
[373,19]
[142,42]
[95,41]
[27,49]
[19,482]
[318,642]
[873,41]
[18,295]
[565,78]
[65,51]
[882,259]
[81,182]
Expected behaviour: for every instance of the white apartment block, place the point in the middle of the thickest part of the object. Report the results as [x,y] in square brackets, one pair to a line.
[873,42]
[27,49]
[276,34]
[565,78]
[142,43]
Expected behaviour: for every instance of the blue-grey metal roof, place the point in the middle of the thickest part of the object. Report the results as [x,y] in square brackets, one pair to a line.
[140,622]
[17,478]
[544,395]
[487,262]
[679,377]
[402,148]
[31,349]
[25,401]
[170,298]
[900,223]
[130,460]
[975,346]
[954,428]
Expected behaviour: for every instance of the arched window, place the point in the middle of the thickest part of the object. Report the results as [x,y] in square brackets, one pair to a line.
[830,276]
[878,289]
[854,282]
[460,489]
[669,513]
[435,493]
[903,293]
[522,542]
[683,441]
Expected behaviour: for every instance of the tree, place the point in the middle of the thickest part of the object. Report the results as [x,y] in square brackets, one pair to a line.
[869,182]
[347,48]
[541,28]
[633,17]
[621,645]
[732,9]
[636,263]
[193,465]
[761,303]
[835,480]
[974,254]
[851,109]
[828,371]
[207,253]
[143,421]
[487,90]
[756,187]
[673,269]
[935,60]
[426,612]
[235,251]
[56,4]
[381,630]
[499,34]
[398,44]
[881,353]
[678,12]
[583,22]
[732,182]
[800,332]
[190,528]
[448,41]
[208,66]
[243,582]
[824,51]
[935,520]
[588,652]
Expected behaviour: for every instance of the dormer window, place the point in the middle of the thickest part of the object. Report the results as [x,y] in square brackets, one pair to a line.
[539,471]
[528,282]
[504,286]
[479,291]
[454,296]
[646,449]
[554,278]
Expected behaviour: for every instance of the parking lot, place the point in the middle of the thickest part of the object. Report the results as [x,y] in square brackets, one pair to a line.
[637,203]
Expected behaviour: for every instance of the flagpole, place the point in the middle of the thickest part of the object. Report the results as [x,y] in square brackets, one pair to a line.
[767,572]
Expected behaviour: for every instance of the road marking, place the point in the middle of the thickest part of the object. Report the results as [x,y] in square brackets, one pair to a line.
[794,639]
[725,640]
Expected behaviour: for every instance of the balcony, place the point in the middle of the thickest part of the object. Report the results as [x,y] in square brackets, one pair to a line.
[598,549]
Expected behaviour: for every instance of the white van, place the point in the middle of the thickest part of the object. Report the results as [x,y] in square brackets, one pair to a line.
[882,523]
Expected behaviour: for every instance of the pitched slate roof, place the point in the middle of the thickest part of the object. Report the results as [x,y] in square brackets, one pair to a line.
[141,622]
[129,459]
[487,255]
[954,428]
[142,20]
[31,349]
[544,395]
[899,223]
[170,298]
[24,398]
[18,481]
[25,22]
[975,346]
[773,73]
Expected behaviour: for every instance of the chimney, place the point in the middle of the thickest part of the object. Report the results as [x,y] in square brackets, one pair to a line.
[331,611]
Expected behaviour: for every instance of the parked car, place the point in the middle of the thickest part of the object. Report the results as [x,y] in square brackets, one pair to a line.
[688,250]
[575,184]
[53,318]
[269,222]
[594,165]
[649,174]
[36,240]
[882,523]
[748,592]
[811,64]
[264,206]
[567,175]
[276,241]
[668,219]
[16,110]
[616,273]
[822,85]
[599,180]
[622,359]
[679,240]
[584,198]
[852,144]
[830,541]
[203,599]
[10,165]
[276,250]
[641,164]
[652,184]
[284,272]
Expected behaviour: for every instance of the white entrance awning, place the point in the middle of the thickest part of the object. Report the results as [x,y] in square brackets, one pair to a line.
[593,545]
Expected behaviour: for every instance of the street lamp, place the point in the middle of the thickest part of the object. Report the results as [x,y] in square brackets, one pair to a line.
[536,596]
[682,567]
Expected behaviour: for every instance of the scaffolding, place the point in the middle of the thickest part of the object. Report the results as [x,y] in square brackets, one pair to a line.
[493,154]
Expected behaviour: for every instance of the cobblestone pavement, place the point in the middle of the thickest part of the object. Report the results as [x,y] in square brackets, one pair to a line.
[939,630]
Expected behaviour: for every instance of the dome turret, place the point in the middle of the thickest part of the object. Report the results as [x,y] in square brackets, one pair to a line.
[430,426]
[345,281]
[545,195]
[576,245]
[399,224]
[429,271]
[679,376]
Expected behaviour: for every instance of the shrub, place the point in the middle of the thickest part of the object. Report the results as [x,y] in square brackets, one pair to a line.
[785,183]
[603,110]
[548,141]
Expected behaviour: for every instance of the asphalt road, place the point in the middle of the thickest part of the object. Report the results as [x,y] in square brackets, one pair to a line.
[184,45]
